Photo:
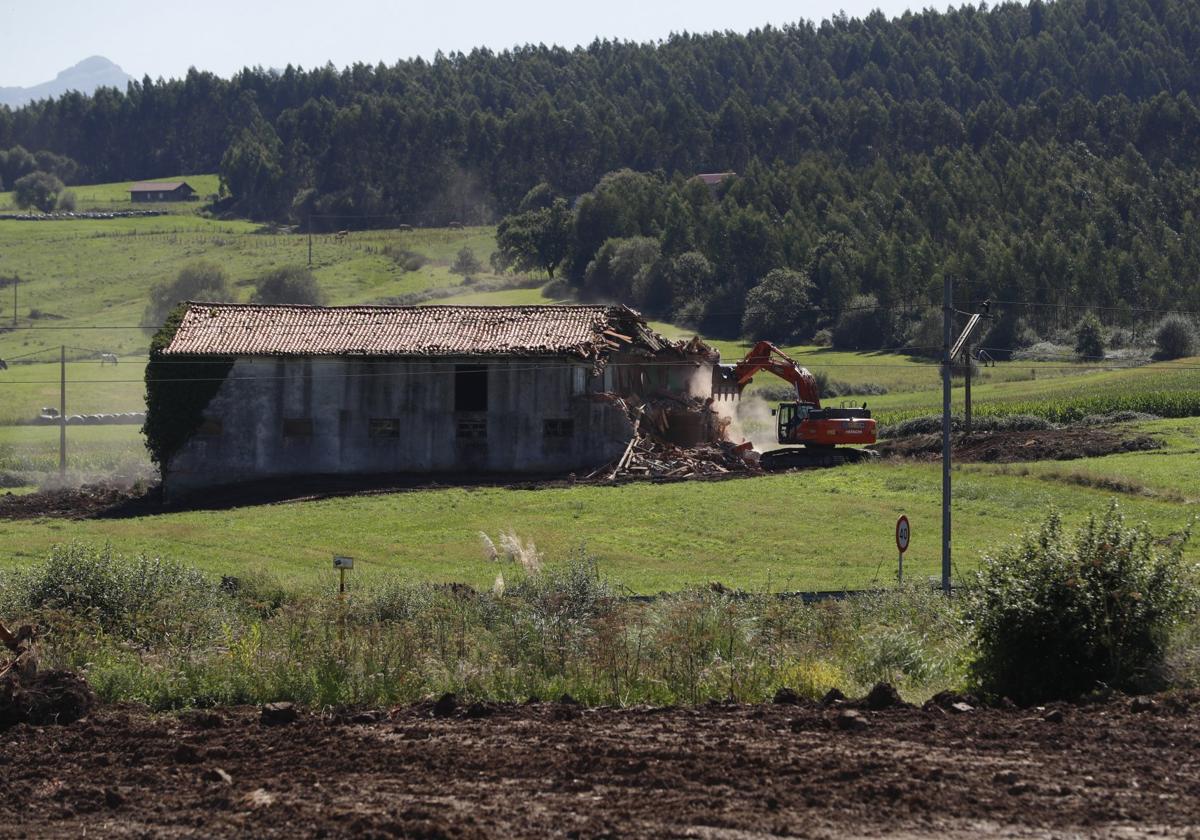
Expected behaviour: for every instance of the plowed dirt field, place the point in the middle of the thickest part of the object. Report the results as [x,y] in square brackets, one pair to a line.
[556,769]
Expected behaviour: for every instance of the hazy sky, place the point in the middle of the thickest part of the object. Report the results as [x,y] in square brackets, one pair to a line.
[165,37]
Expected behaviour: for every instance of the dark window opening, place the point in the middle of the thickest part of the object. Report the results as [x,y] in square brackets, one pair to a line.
[297,427]
[470,388]
[210,427]
[383,427]
[472,430]
[556,428]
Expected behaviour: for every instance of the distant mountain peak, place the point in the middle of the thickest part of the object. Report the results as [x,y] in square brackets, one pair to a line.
[91,64]
[91,73]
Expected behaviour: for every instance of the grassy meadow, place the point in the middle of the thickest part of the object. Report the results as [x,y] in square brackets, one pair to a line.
[653,537]
[30,453]
[84,284]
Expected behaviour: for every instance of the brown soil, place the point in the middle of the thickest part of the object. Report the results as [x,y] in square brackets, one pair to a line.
[46,697]
[1007,447]
[556,769]
[69,503]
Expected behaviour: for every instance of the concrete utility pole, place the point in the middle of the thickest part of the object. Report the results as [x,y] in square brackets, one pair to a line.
[62,412]
[310,241]
[947,361]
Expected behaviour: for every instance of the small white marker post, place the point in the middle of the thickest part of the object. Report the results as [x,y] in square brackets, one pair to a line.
[902,534]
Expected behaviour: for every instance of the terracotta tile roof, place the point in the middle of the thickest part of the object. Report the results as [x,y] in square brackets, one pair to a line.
[232,329]
[714,178]
[159,186]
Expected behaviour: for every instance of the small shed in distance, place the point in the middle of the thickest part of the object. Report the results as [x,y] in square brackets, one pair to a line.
[161,191]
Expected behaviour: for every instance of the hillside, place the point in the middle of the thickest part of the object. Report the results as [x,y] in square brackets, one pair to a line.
[1043,152]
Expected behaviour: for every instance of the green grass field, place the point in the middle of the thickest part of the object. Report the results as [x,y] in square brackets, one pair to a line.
[1171,474]
[31,452]
[823,529]
[91,389]
[87,283]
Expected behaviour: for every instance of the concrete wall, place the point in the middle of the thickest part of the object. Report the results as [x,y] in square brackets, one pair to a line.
[264,397]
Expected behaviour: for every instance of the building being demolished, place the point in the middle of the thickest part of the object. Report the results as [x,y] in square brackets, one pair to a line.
[300,390]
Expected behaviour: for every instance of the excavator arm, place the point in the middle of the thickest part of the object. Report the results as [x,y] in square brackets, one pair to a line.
[766,356]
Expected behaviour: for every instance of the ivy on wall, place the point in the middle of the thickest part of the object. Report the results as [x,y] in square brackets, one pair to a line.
[178,389]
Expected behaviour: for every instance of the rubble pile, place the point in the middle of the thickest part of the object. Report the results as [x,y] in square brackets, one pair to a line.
[28,695]
[677,437]
[650,458]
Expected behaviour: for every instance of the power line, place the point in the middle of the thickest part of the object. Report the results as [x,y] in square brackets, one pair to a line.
[1090,306]
[542,369]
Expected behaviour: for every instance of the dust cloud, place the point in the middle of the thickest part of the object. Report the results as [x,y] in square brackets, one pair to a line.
[749,420]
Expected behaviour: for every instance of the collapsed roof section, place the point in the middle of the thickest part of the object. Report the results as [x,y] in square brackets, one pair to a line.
[586,332]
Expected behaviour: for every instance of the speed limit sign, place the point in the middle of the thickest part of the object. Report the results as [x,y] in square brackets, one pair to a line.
[902,533]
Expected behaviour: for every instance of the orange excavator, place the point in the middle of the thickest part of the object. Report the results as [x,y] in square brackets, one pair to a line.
[818,435]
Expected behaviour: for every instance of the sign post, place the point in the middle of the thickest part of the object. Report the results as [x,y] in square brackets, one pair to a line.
[902,534]
[342,564]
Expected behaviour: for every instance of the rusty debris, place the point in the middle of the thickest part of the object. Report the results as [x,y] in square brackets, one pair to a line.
[21,657]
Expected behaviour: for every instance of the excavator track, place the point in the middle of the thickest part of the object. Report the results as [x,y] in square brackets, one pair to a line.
[811,457]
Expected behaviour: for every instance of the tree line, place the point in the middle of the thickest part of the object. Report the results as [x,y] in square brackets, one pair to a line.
[469,133]
[1045,151]
[781,252]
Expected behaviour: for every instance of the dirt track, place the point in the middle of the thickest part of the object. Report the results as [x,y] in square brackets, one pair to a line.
[554,769]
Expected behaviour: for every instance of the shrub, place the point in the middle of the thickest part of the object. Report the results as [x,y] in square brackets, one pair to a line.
[621,268]
[778,308]
[864,325]
[406,259]
[1056,617]
[557,289]
[66,201]
[37,189]
[291,284]
[137,598]
[466,263]
[1175,338]
[199,281]
[1009,334]
[932,424]
[499,262]
[1089,338]
[891,655]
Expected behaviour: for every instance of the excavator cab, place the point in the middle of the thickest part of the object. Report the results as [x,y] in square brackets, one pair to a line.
[787,417]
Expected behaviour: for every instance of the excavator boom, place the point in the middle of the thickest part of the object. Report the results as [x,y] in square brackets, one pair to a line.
[766,356]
